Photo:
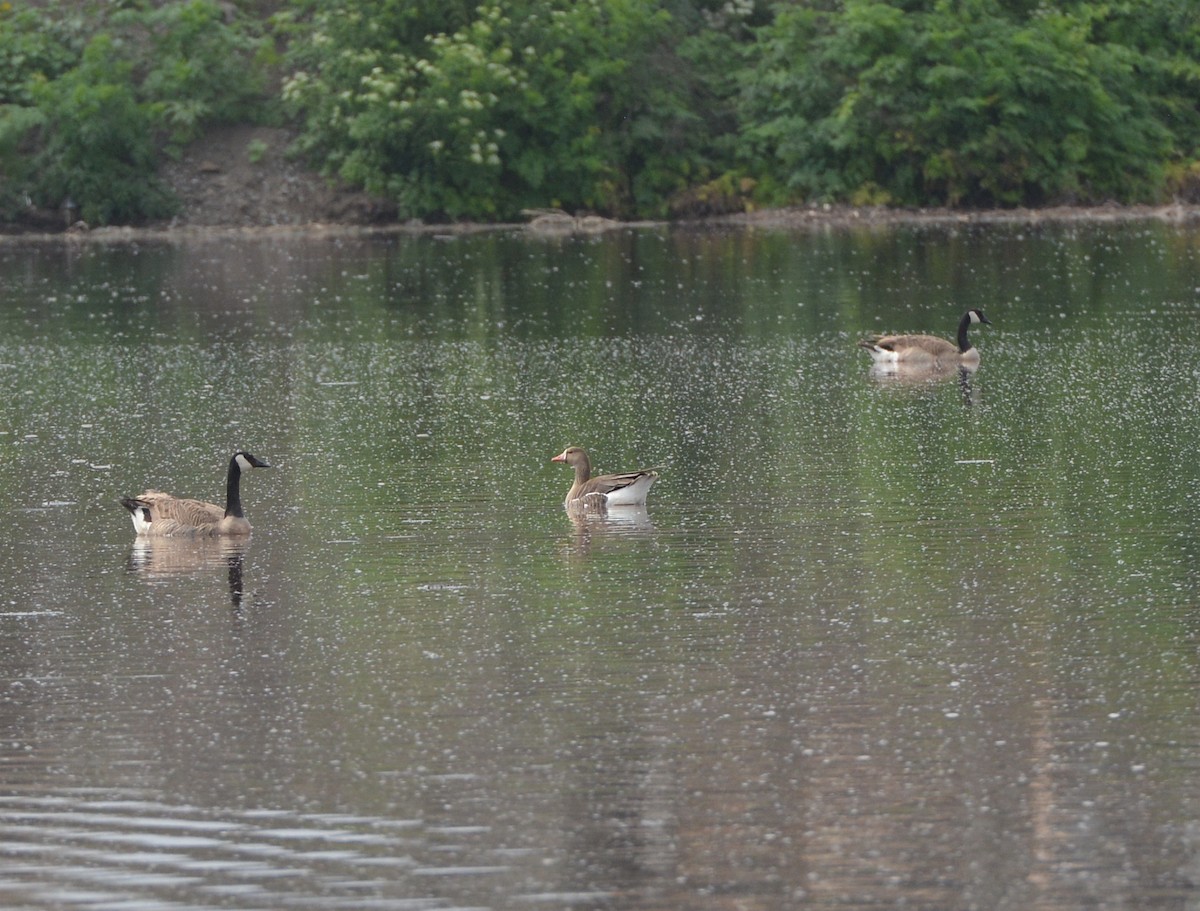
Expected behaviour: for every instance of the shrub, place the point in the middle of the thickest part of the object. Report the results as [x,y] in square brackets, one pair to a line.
[98,145]
[950,101]
[194,67]
[89,102]
[531,103]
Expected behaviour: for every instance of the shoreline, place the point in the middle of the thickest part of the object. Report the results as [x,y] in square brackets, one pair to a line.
[562,224]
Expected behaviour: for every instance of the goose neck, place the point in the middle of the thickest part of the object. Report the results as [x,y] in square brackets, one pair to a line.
[233,490]
[583,469]
[964,343]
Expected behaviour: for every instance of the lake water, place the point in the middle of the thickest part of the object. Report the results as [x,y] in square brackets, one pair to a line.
[873,643]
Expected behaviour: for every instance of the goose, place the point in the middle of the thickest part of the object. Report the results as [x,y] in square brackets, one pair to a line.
[895,349]
[627,489]
[160,514]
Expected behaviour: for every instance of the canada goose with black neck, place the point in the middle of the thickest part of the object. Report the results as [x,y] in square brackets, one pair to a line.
[898,349]
[160,514]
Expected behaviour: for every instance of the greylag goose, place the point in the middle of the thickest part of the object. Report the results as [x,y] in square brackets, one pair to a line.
[627,489]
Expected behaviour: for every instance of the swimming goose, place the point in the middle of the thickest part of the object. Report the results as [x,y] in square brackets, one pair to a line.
[158,513]
[893,349]
[628,489]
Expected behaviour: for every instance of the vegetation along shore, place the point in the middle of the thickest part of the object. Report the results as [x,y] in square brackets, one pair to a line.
[201,114]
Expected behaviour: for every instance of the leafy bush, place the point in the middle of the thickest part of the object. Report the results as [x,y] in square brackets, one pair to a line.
[196,70]
[530,103]
[950,101]
[88,103]
[1164,37]
[98,148]
[31,46]
[481,108]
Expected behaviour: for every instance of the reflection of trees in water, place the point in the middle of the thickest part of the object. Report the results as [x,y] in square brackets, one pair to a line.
[818,782]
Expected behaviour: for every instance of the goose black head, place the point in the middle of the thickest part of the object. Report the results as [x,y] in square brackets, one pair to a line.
[978,317]
[245,461]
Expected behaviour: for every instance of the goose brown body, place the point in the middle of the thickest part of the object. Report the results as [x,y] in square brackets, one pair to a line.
[163,515]
[628,489]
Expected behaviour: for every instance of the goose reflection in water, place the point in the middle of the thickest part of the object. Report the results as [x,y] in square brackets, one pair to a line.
[591,524]
[158,560]
[927,376]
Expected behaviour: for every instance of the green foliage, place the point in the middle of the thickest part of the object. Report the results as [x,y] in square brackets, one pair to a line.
[951,101]
[32,47]
[16,124]
[196,71]
[1164,38]
[482,108]
[256,150]
[89,102]
[528,103]
[99,149]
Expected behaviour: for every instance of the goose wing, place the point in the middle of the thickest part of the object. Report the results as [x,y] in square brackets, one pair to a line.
[611,483]
[627,489]
[181,513]
[912,345]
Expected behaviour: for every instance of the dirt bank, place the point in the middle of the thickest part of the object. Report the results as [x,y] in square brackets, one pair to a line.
[243,177]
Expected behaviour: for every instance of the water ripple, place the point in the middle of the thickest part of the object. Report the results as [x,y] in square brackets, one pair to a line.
[60,850]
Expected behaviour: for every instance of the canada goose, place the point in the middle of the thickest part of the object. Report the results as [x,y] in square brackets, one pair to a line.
[628,489]
[158,513]
[893,349]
